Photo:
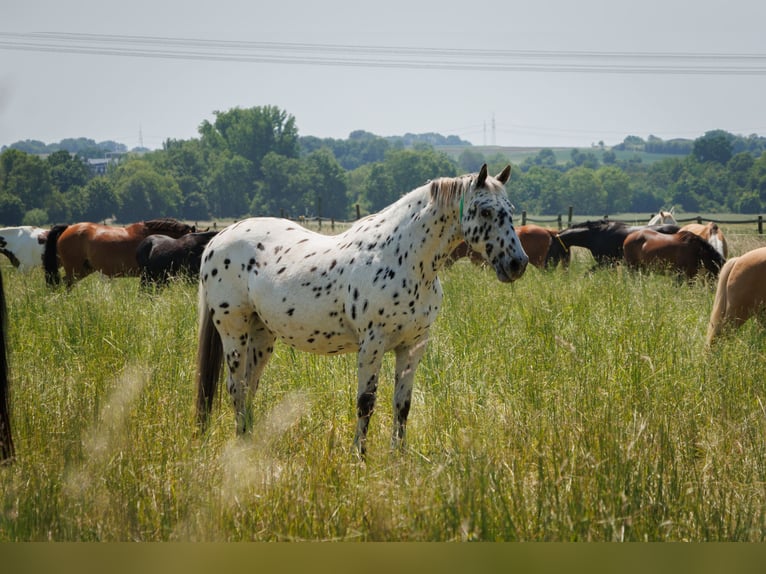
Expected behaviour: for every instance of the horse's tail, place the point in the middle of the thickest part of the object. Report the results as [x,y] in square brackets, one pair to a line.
[209,360]
[50,255]
[6,437]
[719,303]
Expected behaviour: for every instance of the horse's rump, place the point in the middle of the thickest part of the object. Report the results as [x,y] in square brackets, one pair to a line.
[741,292]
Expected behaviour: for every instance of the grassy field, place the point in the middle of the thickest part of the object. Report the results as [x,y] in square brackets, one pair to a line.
[568,406]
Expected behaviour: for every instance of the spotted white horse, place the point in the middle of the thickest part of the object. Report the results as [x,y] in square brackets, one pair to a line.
[23,245]
[369,290]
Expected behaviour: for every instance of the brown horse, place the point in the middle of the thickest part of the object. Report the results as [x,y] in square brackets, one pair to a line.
[541,245]
[83,248]
[683,252]
[711,233]
[741,292]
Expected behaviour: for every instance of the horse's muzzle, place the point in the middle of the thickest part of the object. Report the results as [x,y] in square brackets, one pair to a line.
[508,270]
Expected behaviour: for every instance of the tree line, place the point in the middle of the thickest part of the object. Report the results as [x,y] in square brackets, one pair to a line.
[253,162]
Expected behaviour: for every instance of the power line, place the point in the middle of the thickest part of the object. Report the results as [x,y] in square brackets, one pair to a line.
[401,57]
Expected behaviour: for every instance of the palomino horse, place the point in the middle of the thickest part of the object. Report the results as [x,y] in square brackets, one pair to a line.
[371,289]
[6,436]
[23,246]
[683,252]
[83,248]
[161,257]
[741,292]
[711,233]
[541,245]
[604,239]
[663,217]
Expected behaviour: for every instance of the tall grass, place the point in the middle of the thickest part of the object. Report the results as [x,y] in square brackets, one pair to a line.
[568,406]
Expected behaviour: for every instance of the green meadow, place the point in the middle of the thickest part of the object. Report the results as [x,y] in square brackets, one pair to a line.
[572,405]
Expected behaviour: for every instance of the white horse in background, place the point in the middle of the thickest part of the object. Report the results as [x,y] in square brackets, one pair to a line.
[23,245]
[663,217]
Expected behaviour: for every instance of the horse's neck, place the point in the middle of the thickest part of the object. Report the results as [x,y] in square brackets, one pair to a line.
[425,231]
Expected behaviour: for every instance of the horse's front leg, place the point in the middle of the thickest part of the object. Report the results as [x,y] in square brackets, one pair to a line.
[369,361]
[407,360]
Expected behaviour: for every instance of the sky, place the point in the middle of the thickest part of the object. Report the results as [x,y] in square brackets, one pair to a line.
[543,73]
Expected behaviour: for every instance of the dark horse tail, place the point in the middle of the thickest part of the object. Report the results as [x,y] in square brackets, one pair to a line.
[50,255]
[6,437]
[209,360]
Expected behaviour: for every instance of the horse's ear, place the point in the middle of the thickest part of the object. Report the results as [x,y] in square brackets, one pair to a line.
[504,175]
[482,176]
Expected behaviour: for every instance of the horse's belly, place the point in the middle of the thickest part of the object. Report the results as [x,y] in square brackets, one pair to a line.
[313,329]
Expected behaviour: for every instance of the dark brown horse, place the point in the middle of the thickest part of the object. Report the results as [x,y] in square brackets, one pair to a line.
[683,252]
[741,292]
[541,245]
[83,248]
[604,239]
[161,257]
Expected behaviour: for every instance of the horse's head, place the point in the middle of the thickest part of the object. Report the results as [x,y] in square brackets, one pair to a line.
[486,219]
[707,254]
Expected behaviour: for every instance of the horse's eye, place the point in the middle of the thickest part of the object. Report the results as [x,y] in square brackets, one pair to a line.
[486,213]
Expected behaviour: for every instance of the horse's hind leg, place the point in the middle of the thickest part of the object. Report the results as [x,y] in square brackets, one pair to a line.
[369,361]
[407,361]
[260,347]
[234,327]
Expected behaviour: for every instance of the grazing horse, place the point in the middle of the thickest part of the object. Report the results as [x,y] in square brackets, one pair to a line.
[371,289]
[83,248]
[161,257]
[6,436]
[539,243]
[711,233]
[741,292]
[23,246]
[604,239]
[683,252]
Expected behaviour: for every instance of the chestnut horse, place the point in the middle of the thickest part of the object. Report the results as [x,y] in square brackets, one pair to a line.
[711,233]
[683,252]
[541,245]
[83,248]
[741,292]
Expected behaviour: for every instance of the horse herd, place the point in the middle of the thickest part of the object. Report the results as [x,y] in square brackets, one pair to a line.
[371,289]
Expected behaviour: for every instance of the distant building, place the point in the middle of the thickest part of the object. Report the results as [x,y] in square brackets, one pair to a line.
[99,166]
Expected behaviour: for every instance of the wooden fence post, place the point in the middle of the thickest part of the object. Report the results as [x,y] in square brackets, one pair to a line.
[524,217]
[760,225]
[569,221]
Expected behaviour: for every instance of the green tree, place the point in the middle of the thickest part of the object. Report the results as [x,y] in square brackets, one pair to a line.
[328,188]
[230,187]
[582,189]
[616,184]
[26,177]
[67,171]
[144,193]
[409,169]
[714,146]
[379,189]
[253,133]
[99,200]
[283,191]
